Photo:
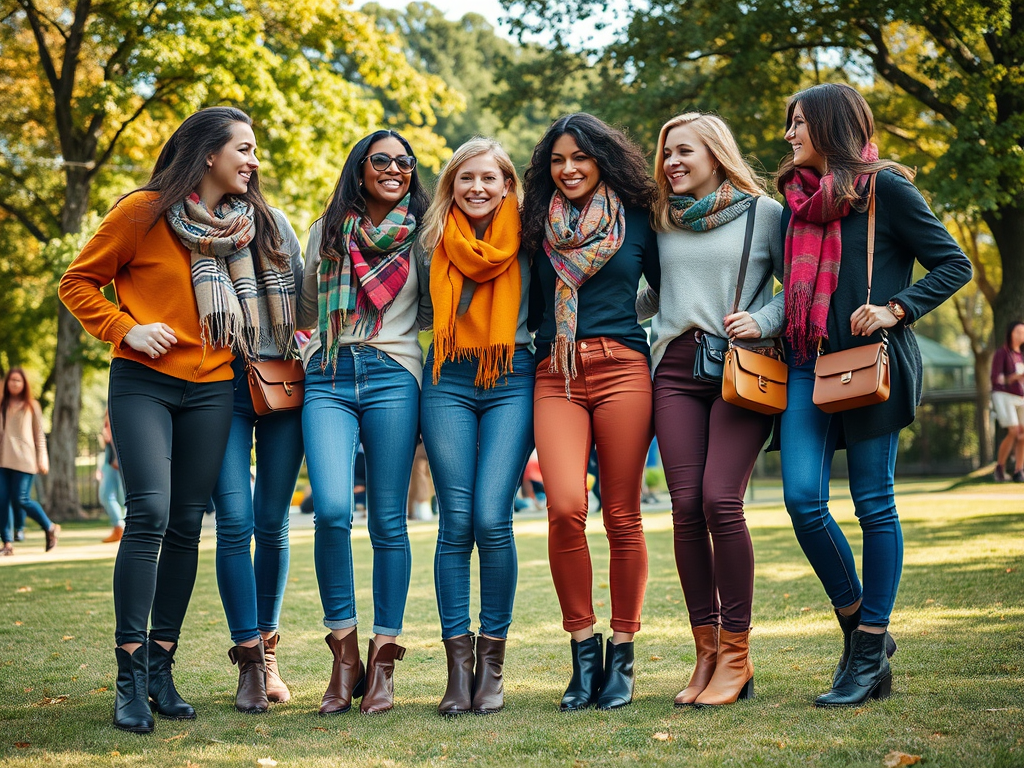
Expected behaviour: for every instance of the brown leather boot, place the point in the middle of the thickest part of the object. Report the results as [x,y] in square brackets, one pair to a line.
[380,684]
[706,640]
[115,535]
[489,684]
[51,536]
[276,689]
[251,696]
[458,696]
[348,675]
[734,671]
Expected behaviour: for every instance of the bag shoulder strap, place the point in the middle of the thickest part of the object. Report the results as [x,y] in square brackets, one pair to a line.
[747,238]
[871,231]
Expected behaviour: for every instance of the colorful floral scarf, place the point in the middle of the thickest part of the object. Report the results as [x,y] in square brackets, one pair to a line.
[813,250]
[229,282]
[487,330]
[362,285]
[578,244]
[720,207]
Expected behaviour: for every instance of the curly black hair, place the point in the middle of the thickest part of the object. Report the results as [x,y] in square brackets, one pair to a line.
[621,162]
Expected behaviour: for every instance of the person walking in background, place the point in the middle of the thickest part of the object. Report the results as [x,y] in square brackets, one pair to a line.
[827,183]
[363,367]
[22,456]
[477,408]
[186,253]
[706,194]
[586,226]
[111,491]
[1008,401]
[252,583]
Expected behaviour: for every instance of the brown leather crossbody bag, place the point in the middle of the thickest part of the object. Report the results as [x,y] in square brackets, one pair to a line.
[856,377]
[276,385]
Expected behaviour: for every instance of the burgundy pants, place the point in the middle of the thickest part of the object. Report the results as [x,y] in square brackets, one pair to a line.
[708,448]
[610,405]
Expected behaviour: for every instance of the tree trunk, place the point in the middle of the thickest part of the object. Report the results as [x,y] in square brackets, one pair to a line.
[983,384]
[1007,226]
[62,490]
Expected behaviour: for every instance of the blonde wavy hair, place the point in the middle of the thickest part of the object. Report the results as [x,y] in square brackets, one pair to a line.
[444,195]
[720,142]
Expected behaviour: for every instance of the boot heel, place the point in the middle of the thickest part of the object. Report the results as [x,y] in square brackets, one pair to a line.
[747,692]
[360,689]
[884,688]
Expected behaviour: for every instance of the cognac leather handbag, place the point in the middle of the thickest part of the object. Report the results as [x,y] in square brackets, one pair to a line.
[754,377]
[276,385]
[859,376]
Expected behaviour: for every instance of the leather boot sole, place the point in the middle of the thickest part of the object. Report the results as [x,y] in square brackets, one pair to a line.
[746,692]
[134,729]
[153,706]
[881,690]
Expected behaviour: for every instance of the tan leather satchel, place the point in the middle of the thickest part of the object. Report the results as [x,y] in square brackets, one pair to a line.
[859,376]
[276,385]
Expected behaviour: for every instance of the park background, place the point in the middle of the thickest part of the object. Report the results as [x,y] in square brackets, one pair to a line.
[89,91]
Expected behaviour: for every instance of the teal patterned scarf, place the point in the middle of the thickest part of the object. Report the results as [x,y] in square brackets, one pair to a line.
[720,207]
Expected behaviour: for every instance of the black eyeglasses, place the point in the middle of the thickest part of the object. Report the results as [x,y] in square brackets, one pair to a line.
[381,161]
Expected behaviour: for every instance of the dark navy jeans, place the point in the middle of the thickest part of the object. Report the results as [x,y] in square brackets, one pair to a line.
[252,584]
[373,399]
[16,500]
[478,441]
[808,441]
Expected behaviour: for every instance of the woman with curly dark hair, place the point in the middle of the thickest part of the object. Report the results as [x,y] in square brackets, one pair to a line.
[586,222]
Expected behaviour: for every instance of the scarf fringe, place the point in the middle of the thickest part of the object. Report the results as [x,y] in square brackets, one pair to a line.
[494,361]
[563,360]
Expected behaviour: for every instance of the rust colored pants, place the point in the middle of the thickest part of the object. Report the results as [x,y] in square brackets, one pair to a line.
[610,405]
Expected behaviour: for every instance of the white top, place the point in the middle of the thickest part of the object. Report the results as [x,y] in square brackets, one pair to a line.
[398,337]
[699,271]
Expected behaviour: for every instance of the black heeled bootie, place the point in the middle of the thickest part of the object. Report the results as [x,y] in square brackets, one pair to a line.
[867,674]
[162,693]
[587,675]
[848,624]
[617,690]
[131,699]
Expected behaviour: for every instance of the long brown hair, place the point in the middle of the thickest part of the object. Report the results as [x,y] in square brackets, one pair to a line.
[25,399]
[840,124]
[182,165]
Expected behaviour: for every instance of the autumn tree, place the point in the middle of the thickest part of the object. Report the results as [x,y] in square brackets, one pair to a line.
[91,89]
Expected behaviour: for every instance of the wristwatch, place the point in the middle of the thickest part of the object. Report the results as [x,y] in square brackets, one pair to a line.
[897,310]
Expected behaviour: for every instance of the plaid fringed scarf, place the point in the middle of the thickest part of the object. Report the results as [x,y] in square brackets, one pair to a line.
[361,286]
[578,244]
[720,207]
[229,282]
[813,250]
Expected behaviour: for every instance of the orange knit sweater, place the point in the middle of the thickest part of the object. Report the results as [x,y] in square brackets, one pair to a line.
[152,278]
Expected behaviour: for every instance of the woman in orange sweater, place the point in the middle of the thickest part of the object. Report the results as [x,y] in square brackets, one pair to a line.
[22,457]
[190,254]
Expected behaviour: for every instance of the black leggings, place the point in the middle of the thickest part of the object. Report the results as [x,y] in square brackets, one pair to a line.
[170,436]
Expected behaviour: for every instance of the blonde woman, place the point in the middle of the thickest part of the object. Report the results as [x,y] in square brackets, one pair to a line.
[706,192]
[477,407]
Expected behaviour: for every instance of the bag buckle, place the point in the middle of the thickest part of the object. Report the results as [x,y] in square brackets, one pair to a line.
[847,377]
[762,384]
[287,388]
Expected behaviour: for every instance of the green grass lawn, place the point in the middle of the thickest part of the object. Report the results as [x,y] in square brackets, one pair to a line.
[958,676]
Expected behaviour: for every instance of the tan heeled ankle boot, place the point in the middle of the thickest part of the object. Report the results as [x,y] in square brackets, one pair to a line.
[734,671]
[706,640]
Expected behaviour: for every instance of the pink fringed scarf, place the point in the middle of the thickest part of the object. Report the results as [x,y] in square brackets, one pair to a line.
[813,251]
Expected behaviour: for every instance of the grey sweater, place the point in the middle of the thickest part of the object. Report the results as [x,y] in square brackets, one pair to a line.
[699,271]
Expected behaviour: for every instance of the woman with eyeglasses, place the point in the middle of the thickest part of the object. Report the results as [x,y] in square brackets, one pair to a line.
[363,368]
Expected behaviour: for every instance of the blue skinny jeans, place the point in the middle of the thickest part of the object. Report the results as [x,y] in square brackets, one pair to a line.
[808,440]
[478,441]
[252,584]
[111,493]
[373,399]
[15,497]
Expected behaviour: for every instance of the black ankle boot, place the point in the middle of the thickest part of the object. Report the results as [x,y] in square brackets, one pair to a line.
[131,700]
[587,675]
[866,675]
[617,690]
[848,624]
[162,693]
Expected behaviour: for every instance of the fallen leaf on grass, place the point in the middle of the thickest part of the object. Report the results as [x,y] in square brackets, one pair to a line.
[663,736]
[998,709]
[66,638]
[266,762]
[1009,570]
[28,690]
[804,610]
[19,623]
[101,689]
[23,589]
[780,744]
[114,753]
[319,728]
[895,759]
[23,744]
[657,658]
[181,735]
[83,666]
[599,603]
[47,701]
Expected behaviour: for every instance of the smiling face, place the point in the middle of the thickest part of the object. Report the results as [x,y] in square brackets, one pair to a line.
[232,167]
[384,189]
[804,153]
[575,173]
[689,166]
[478,190]
[1017,336]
